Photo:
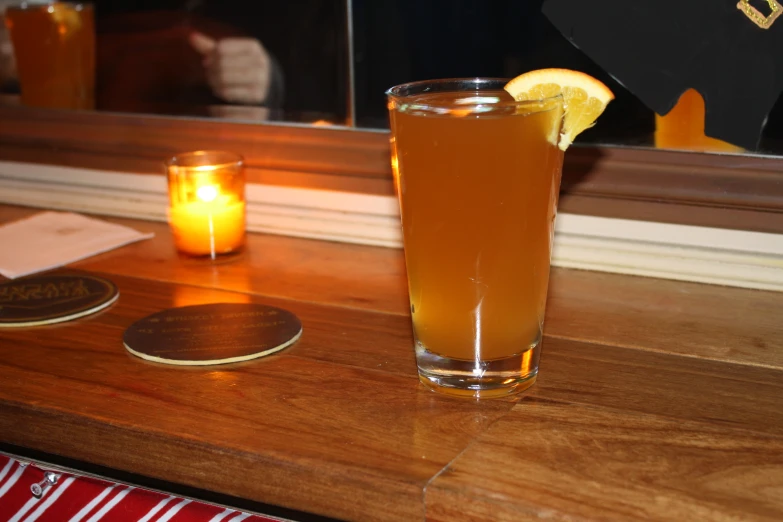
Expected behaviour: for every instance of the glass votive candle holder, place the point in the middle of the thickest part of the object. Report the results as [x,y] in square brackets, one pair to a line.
[207,203]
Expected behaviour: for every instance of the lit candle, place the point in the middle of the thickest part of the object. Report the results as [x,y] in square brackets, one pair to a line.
[207,212]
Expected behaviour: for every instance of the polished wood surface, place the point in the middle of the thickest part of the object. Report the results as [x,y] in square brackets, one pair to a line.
[558,461]
[336,424]
[741,191]
[294,155]
[656,399]
[707,321]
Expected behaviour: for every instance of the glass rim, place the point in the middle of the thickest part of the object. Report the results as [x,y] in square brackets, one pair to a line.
[226,159]
[419,87]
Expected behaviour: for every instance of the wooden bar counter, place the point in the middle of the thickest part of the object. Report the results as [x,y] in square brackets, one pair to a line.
[656,400]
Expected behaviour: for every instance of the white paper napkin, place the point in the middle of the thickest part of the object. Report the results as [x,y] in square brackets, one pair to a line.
[51,239]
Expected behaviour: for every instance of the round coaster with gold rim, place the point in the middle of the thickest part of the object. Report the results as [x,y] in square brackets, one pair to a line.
[209,334]
[53,298]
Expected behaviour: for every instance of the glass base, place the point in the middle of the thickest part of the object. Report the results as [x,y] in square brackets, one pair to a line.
[488,379]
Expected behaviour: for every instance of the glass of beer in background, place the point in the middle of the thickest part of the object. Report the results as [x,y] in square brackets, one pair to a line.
[477,176]
[54,48]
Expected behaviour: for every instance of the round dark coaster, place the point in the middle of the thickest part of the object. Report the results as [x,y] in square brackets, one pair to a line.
[212,333]
[53,298]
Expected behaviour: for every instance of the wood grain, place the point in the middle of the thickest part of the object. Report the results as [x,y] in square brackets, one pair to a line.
[692,319]
[732,191]
[655,399]
[340,411]
[710,180]
[564,462]
[347,275]
[728,394]
[293,430]
[667,211]
[706,321]
[293,148]
[110,161]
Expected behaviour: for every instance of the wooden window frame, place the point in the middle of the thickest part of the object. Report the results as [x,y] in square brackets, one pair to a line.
[743,192]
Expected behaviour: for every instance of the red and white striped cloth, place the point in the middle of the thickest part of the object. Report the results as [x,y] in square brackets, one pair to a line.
[74,498]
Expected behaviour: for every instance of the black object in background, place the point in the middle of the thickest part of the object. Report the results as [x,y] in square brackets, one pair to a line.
[398,41]
[660,49]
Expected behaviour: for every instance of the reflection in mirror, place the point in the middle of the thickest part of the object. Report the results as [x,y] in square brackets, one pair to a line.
[504,38]
[249,61]
[289,61]
[54,54]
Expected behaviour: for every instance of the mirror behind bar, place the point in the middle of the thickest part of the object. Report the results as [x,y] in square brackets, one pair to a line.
[328,62]
[245,61]
[398,41]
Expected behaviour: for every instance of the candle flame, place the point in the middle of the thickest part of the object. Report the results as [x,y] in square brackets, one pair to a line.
[207,193]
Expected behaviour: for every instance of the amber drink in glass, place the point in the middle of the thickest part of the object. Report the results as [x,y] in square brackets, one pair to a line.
[477,177]
[54,47]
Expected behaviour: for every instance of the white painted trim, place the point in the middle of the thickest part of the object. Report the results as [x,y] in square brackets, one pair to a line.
[709,255]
